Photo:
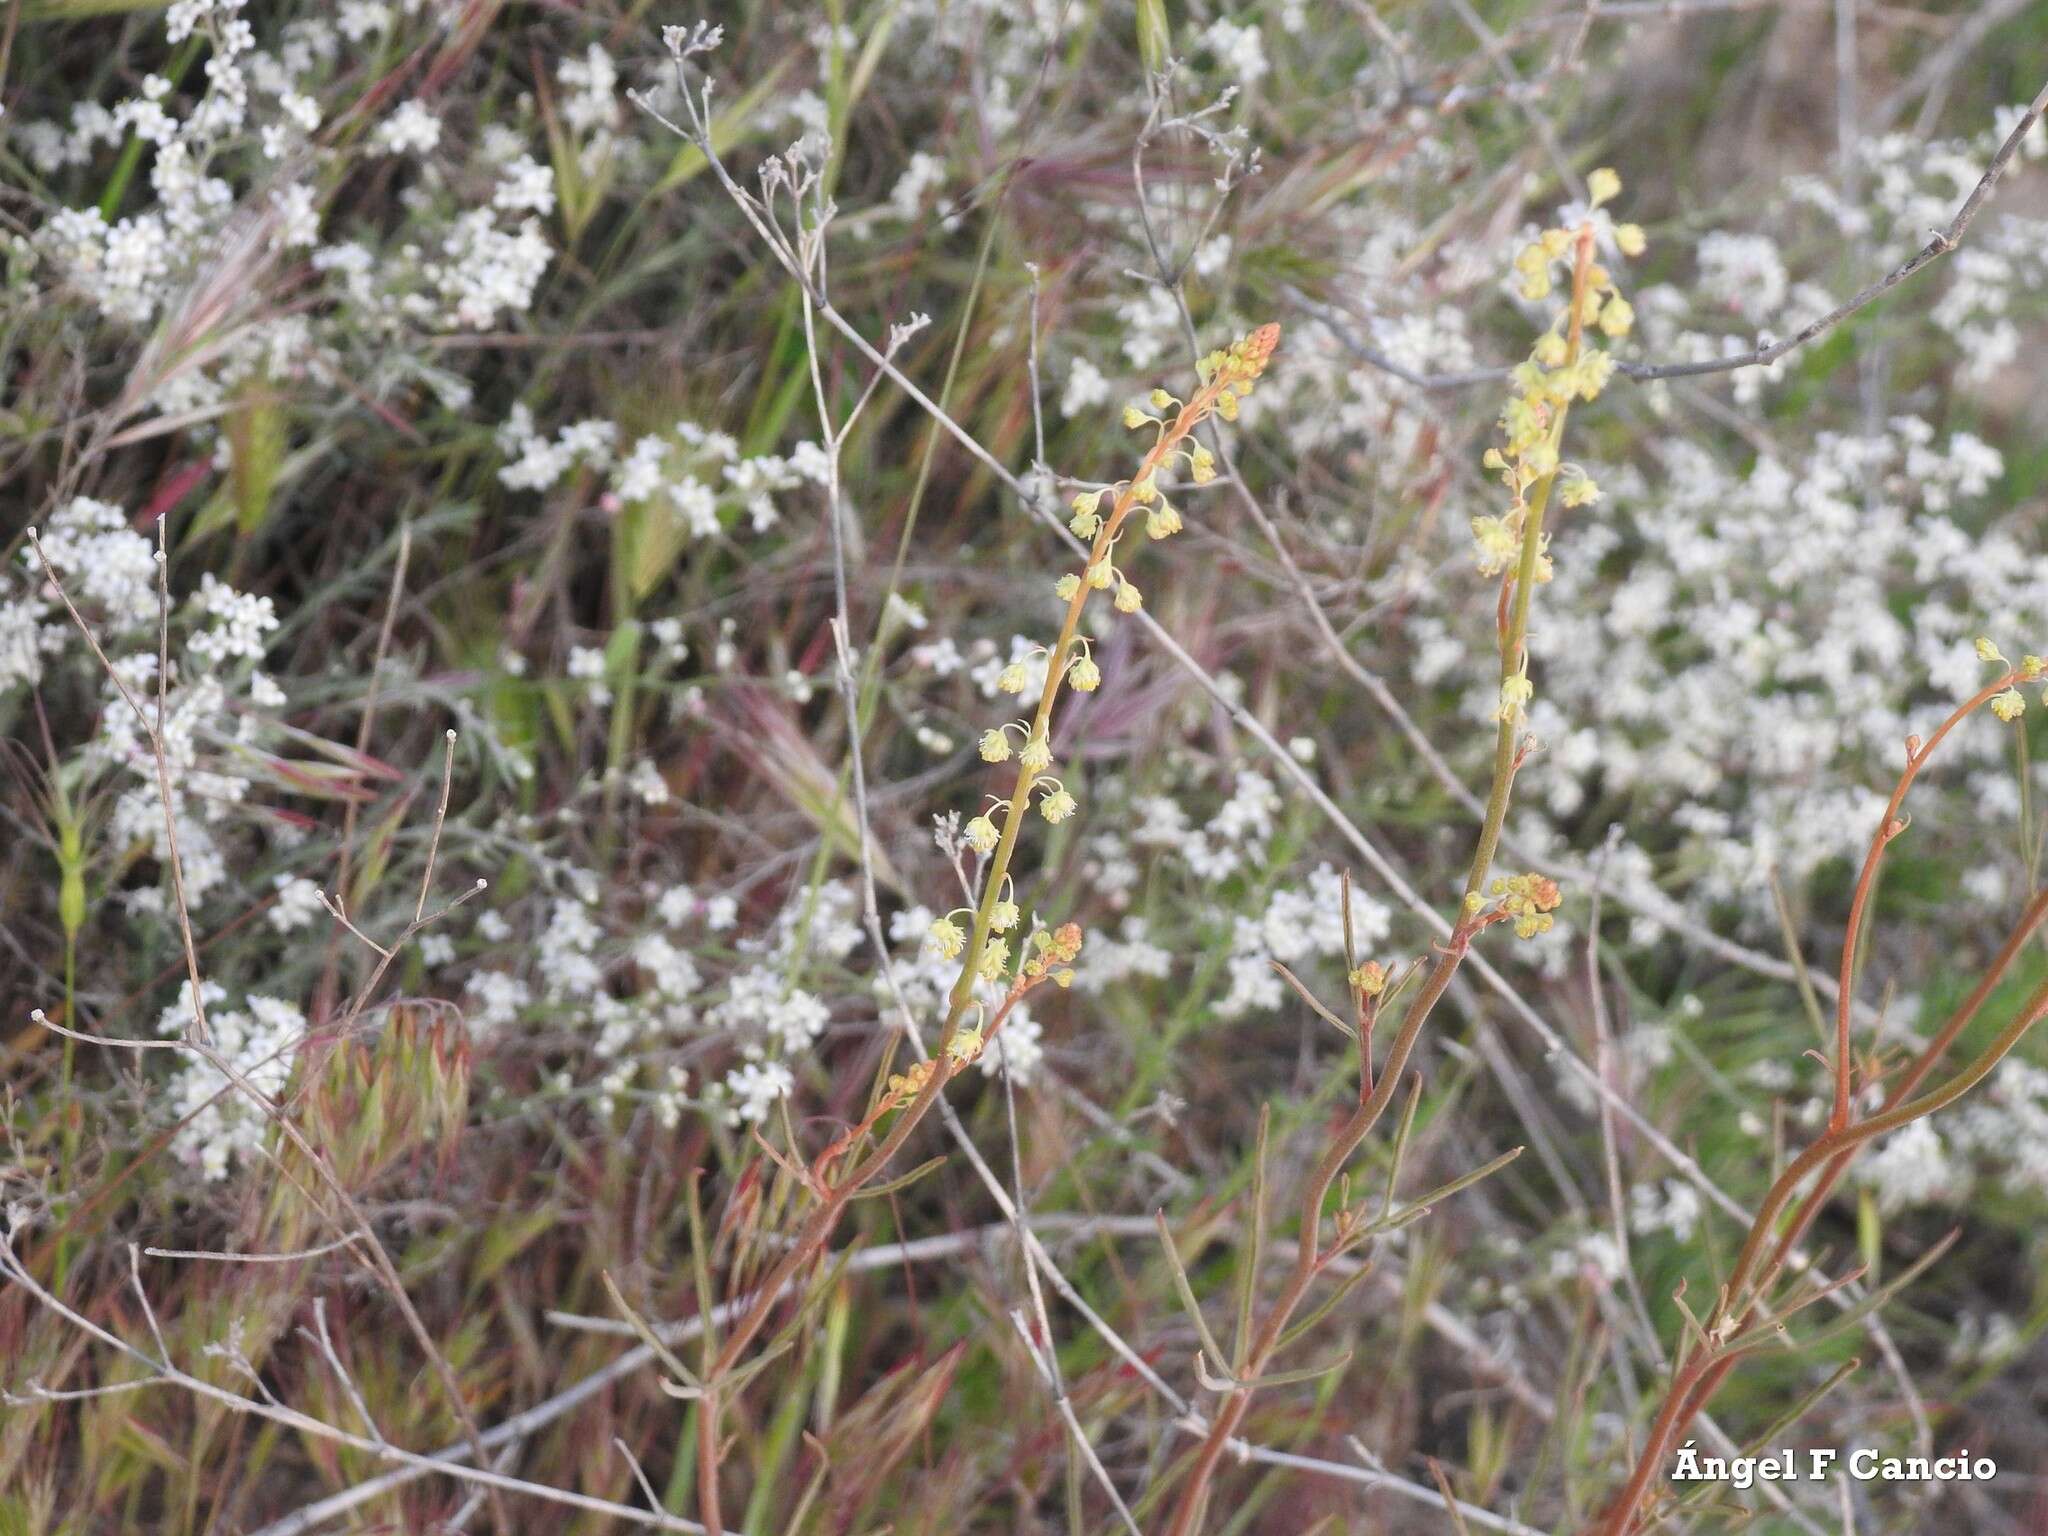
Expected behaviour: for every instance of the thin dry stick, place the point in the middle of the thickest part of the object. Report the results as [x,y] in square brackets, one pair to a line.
[1942,242]
[163,1372]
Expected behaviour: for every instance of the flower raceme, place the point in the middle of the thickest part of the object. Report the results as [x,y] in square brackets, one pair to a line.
[1102,516]
[1560,369]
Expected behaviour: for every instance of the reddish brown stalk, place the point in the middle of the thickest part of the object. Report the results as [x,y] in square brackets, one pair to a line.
[1917,754]
[1828,1157]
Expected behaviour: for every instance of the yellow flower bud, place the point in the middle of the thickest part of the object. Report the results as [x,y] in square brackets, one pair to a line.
[995,959]
[1084,675]
[1603,186]
[1370,978]
[1128,598]
[1057,806]
[1576,488]
[1515,693]
[995,746]
[981,835]
[1629,237]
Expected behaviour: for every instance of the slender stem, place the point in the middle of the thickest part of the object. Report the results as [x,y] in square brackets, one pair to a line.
[1753,1274]
[1888,828]
[818,1229]
[1506,759]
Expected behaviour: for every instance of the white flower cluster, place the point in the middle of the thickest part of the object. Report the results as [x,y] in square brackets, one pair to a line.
[259,1040]
[687,474]
[216,704]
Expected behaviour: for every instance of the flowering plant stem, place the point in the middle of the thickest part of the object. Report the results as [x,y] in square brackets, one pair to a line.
[1311,1258]
[1232,373]
[1725,1340]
